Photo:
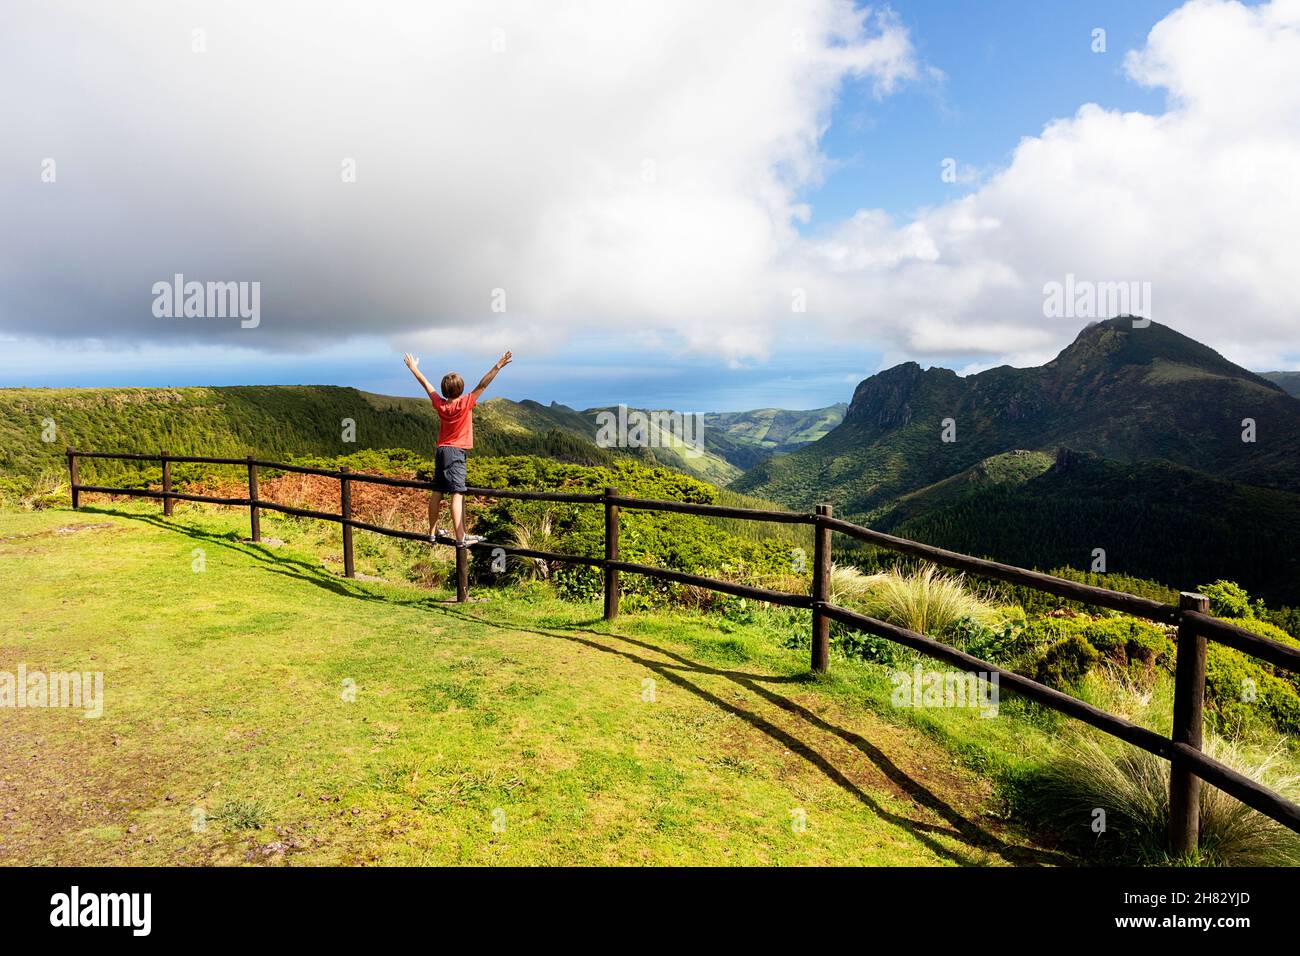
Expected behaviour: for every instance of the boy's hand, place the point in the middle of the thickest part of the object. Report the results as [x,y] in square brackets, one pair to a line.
[502,362]
[411,361]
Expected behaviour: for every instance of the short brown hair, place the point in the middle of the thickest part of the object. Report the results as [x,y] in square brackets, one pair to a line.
[452,386]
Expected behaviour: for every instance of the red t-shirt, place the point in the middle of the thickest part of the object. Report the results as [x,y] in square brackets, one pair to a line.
[457,418]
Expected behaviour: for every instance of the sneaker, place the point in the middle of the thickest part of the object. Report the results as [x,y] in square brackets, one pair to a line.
[469,540]
[437,533]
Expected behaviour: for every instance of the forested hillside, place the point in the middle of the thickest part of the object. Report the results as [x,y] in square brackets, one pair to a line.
[267,421]
[1152,519]
[1195,474]
[274,420]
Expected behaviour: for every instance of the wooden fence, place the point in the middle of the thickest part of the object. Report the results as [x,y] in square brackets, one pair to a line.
[1189,766]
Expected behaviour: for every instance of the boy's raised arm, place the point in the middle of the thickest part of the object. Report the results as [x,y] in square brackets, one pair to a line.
[413,364]
[486,380]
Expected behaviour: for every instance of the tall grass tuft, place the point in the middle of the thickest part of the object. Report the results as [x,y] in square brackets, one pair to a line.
[924,600]
[1131,786]
[536,533]
[848,584]
[1236,835]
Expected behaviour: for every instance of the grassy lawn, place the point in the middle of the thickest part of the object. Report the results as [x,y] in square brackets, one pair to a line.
[265,710]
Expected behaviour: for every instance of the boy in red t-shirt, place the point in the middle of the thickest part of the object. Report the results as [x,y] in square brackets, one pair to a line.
[455,437]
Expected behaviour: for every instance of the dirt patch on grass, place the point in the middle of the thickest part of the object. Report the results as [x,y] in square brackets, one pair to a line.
[70,791]
[62,531]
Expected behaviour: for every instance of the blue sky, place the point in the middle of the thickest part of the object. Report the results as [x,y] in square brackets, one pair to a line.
[991,73]
[1008,67]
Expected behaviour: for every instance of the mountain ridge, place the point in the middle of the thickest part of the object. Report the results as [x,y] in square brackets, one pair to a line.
[1287,381]
[1159,418]
[1108,392]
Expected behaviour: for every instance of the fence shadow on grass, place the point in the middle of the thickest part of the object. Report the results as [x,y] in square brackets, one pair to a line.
[956,824]
[283,564]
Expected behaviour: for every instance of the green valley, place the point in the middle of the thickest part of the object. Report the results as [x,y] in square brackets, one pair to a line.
[273,421]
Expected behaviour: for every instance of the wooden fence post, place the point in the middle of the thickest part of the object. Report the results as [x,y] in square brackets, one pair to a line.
[462,573]
[611,554]
[167,484]
[254,513]
[345,512]
[821,593]
[1189,702]
[74,473]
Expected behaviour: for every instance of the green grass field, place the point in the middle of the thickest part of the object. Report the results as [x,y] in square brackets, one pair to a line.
[265,710]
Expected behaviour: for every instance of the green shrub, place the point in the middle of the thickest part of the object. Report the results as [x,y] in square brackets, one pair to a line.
[1048,630]
[1127,640]
[630,477]
[1264,628]
[1121,640]
[1286,618]
[1065,662]
[1244,691]
[1228,599]
[578,582]
[382,461]
[1244,694]
[1001,644]
[49,490]
[868,647]
[1241,692]
[13,487]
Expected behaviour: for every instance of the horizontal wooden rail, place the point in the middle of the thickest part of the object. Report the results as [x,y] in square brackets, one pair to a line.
[1196,626]
[1249,792]
[713,511]
[396,532]
[1238,638]
[1049,697]
[551,556]
[1214,629]
[388,480]
[177,495]
[714,584]
[265,505]
[1061,587]
[570,497]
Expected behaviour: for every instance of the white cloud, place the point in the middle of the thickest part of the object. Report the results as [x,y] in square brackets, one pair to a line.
[629,165]
[634,169]
[1201,201]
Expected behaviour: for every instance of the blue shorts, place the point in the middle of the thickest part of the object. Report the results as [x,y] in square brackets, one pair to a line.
[449,469]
